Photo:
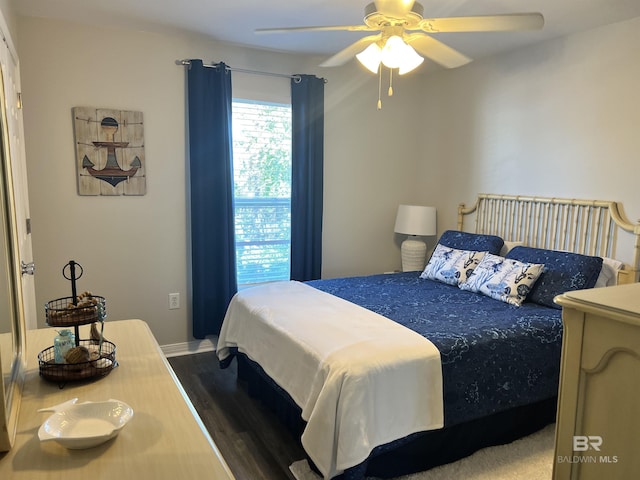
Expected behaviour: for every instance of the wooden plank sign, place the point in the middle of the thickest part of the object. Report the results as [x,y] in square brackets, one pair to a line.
[109,151]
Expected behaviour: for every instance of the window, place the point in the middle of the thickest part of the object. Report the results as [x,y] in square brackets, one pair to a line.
[262,190]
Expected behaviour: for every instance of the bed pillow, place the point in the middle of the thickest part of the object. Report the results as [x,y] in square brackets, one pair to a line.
[563,272]
[609,273]
[471,241]
[504,279]
[450,265]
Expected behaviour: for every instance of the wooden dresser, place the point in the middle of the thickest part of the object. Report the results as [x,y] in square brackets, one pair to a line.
[165,439]
[598,427]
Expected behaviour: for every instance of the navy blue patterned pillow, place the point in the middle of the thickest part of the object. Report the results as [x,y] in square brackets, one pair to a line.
[563,272]
[472,241]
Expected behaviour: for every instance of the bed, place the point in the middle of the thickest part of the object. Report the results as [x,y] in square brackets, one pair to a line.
[394,373]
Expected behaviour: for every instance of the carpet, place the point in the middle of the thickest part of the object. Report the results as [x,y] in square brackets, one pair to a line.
[529,457]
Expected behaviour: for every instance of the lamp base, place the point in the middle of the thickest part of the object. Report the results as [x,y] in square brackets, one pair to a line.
[413,253]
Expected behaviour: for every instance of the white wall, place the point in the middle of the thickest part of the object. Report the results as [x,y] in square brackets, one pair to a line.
[134,250]
[370,162]
[559,119]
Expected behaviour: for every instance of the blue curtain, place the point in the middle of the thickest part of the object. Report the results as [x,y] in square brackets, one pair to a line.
[213,260]
[307,149]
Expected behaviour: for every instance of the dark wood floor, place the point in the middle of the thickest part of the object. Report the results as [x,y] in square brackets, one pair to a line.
[254,444]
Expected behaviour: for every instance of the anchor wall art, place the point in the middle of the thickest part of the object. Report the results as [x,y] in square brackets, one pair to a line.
[109,151]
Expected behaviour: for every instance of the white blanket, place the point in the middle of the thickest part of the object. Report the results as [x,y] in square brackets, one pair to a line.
[360,379]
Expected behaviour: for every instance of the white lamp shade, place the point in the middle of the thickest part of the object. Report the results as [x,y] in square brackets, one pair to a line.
[416,220]
[393,52]
[370,57]
[396,53]
[411,61]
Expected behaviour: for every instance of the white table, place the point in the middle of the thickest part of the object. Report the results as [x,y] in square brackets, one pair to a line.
[165,439]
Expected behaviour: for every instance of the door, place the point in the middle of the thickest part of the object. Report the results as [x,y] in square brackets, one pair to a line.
[13,143]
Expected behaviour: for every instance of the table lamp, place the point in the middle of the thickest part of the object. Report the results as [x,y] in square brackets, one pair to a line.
[415,221]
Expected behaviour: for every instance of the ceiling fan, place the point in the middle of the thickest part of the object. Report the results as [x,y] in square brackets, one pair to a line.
[404,20]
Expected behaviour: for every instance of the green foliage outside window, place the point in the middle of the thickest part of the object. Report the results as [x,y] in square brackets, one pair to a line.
[262,190]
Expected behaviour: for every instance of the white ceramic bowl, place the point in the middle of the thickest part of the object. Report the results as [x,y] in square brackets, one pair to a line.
[84,425]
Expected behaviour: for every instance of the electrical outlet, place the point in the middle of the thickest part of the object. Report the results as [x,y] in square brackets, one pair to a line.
[174,301]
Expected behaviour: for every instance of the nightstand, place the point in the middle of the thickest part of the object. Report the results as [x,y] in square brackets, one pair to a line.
[598,409]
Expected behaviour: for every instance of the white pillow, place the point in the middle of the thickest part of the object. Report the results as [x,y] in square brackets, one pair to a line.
[609,272]
[504,279]
[450,265]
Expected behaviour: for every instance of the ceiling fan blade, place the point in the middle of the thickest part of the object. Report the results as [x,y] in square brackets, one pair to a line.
[484,23]
[349,28]
[436,50]
[394,8]
[348,53]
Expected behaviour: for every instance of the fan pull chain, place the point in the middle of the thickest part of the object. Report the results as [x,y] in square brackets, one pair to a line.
[391,82]
[379,87]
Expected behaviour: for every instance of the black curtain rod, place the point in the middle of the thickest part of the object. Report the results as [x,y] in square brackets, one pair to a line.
[297,78]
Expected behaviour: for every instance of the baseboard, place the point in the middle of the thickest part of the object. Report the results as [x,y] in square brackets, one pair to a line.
[188,348]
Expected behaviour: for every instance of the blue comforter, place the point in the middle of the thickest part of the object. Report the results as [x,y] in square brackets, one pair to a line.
[495,356]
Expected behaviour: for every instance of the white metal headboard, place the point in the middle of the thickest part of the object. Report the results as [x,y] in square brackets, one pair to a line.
[589,227]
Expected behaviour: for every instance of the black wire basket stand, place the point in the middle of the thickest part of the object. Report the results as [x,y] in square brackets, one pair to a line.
[75,311]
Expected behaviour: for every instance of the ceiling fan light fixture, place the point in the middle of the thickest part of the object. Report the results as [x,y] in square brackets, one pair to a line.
[370,57]
[404,36]
[396,53]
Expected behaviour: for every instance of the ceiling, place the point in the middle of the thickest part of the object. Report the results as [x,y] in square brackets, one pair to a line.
[234,21]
